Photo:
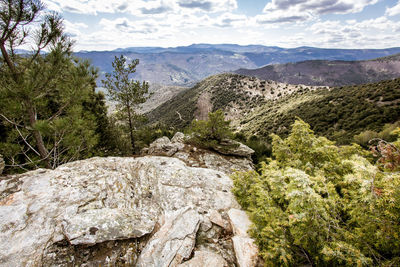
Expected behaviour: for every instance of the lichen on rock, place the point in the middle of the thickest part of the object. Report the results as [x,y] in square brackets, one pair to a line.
[145,211]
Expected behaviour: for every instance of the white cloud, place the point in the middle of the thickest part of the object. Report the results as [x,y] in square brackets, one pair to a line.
[208,5]
[231,20]
[141,7]
[281,16]
[367,33]
[74,29]
[278,11]
[84,7]
[393,11]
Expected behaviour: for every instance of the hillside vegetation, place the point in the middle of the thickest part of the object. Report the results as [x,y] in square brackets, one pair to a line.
[237,95]
[330,73]
[258,107]
[339,113]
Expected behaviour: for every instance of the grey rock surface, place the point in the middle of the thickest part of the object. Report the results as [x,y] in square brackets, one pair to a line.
[2,164]
[245,249]
[237,159]
[178,138]
[102,211]
[205,259]
[234,148]
[164,147]
[174,241]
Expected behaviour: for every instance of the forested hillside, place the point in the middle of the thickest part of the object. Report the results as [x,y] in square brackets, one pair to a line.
[339,113]
[258,107]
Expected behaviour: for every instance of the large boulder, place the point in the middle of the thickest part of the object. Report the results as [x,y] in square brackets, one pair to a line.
[164,147]
[231,156]
[148,211]
[234,148]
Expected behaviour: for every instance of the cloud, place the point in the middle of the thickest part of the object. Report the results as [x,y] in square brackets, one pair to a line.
[208,5]
[124,25]
[281,16]
[74,29]
[393,11]
[280,11]
[155,10]
[92,7]
[141,7]
[230,20]
[366,33]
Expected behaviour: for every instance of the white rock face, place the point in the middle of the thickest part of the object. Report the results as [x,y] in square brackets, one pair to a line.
[174,241]
[245,250]
[205,259]
[83,212]
[239,221]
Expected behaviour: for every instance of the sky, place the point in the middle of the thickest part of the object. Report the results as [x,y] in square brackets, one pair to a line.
[111,24]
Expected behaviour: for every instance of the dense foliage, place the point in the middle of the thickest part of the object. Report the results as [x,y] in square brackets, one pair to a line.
[320,204]
[339,113]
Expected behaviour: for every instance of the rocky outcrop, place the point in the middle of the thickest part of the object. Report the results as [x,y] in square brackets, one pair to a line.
[245,250]
[2,164]
[235,148]
[229,157]
[147,211]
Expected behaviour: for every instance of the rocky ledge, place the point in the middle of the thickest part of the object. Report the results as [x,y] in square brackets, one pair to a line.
[237,158]
[146,211]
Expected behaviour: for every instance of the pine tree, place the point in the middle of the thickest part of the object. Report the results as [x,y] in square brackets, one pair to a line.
[126,92]
[43,91]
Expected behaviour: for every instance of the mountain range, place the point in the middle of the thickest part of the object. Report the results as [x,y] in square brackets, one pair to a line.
[186,65]
[330,73]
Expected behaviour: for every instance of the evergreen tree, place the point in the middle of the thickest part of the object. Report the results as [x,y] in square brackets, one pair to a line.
[126,92]
[216,128]
[322,205]
[43,91]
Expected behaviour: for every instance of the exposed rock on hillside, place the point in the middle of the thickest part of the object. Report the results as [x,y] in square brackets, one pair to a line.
[2,164]
[237,158]
[147,211]
[236,95]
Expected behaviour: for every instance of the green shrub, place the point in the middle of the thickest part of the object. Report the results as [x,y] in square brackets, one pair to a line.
[321,205]
[365,137]
[211,132]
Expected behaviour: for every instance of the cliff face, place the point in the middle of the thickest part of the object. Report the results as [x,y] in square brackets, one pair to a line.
[146,211]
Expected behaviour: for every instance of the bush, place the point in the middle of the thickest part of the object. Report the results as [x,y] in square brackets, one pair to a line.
[320,204]
[365,137]
[211,132]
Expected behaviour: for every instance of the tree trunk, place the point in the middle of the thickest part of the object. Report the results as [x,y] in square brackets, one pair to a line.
[44,154]
[8,61]
[131,130]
